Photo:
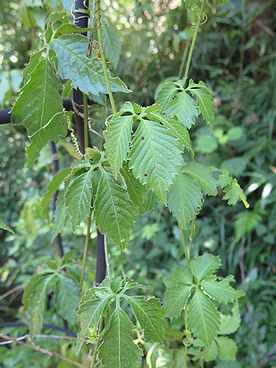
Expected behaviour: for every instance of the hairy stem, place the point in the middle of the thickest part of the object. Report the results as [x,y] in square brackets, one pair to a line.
[100,39]
[193,42]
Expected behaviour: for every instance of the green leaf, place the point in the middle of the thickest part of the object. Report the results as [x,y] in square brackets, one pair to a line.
[203,317]
[205,100]
[231,188]
[179,287]
[210,354]
[54,185]
[114,212]
[183,107]
[166,92]
[91,308]
[135,189]
[155,158]
[78,197]
[34,300]
[205,265]
[111,42]
[230,323]
[118,137]
[6,227]
[245,222]
[32,64]
[150,315]
[39,108]
[227,348]
[221,290]
[176,128]
[118,349]
[60,216]
[67,298]
[203,176]
[184,199]
[86,74]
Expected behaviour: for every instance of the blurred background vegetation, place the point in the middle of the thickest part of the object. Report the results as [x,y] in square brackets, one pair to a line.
[235,56]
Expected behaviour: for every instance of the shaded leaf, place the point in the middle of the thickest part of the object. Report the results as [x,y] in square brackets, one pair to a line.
[203,176]
[205,265]
[221,290]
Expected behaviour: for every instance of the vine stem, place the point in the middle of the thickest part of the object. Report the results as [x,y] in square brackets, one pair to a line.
[85,121]
[193,42]
[85,251]
[184,58]
[186,253]
[100,39]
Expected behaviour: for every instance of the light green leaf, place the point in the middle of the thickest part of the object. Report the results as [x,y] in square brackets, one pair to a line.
[184,199]
[39,108]
[150,315]
[155,158]
[227,348]
[205,265]
[78,197]
[176,128]
[111,42]
[91,308]
[179,287]
[231,188]
[67,298]
[205,100]
[221,290]
[230,323]
[118,349]
[32,64]
[245,222]
[6,227]
[203,317]
[60,216]
[34,300]
[203,176]
[118,137]
[210,354]
[183,107]
[86,74]
[114,212]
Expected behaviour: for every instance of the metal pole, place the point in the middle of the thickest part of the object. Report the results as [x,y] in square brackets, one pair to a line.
[81,16]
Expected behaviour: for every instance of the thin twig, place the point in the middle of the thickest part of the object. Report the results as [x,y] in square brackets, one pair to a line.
[41,350]
[50,337]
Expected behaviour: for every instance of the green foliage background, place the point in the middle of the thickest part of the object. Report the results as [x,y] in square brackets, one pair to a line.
[236,57]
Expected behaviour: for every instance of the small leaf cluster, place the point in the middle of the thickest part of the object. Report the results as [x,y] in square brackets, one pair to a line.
[62,278]
[197,292]
[117,348]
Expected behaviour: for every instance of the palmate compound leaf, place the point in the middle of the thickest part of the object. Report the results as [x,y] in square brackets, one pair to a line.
[78,197]
[184,199]
[39,108]
[205,266]
[183,107]
[203,176]
[221,290]
[179,287]
[203,317]
[86,74]
[155,158]
[118,137]
[118,349]
[150,315]
[34,300]
[205,100]
[114,212]
[91,308]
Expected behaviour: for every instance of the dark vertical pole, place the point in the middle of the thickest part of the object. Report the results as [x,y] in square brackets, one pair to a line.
[81,21]
[54,200]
